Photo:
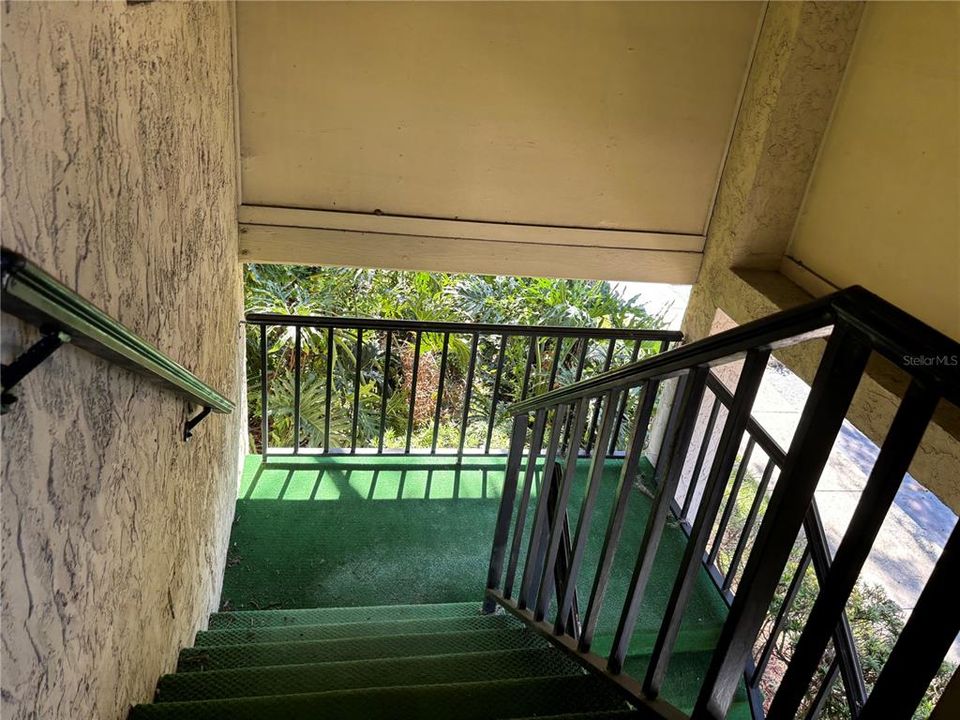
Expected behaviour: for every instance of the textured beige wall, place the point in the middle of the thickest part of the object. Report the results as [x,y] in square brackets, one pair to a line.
[118,178]
[883,208]
[796,77]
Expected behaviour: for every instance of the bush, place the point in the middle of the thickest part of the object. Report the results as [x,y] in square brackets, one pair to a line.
[416,296]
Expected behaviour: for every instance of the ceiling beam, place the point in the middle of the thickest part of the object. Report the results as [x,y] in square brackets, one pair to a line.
[317,237]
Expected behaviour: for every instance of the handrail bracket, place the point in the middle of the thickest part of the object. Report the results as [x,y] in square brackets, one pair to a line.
[25,363]
[191,423]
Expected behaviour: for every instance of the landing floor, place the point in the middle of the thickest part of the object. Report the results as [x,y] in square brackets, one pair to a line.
[357,531]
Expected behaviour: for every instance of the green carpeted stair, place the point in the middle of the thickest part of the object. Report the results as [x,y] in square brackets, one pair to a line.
[428,661]
[352,590]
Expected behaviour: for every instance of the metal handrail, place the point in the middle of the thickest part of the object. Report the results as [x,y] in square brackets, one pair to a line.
[34,296]
[817,548]
[434,326]
[893,333]
[859,324]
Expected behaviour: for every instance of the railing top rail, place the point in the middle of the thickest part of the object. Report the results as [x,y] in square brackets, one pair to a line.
[893,333]
[32,295]
[349,323]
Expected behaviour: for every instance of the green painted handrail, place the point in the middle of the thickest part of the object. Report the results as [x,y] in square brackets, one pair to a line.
[32,295]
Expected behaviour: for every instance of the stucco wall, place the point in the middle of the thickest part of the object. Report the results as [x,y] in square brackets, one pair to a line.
[797,74]
[883,207]
[119,179]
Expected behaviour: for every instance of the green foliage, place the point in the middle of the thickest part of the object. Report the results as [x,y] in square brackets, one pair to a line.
[299,290]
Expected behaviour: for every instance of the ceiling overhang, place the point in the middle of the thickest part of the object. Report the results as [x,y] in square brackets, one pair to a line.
[557,139]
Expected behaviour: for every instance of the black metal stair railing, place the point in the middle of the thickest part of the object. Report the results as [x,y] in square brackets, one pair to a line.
[550,353]
[856,325]
[815,552]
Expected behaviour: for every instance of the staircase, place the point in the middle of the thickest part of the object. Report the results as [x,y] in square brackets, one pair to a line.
[401,661]
[386,539]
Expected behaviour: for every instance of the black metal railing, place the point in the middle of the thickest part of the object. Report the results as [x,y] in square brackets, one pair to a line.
[63,316]
[813,551]
[359,385]
[857,325]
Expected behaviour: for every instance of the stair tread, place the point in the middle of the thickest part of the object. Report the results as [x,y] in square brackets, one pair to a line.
[464,701]
[599,715]
[293,633]
[378,672]
[331,615]
[360,648]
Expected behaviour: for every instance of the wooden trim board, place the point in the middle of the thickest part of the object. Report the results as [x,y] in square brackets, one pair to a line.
[317,246]
[438,227]
[321,237]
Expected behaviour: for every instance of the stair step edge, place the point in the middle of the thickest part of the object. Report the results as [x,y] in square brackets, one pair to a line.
[413,626]
[283,616]
[355,674]
[461,700]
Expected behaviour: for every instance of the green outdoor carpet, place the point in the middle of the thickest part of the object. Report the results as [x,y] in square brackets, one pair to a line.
[327,532]
[358,531]
[317,540]
[388,662]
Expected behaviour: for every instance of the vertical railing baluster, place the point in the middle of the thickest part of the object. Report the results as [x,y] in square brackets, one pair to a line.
[535,549]
[581,364]
[896,453]
[701,458]
[731,502]
[440,380]
[657,517]
[468,392]
[673,419]
[622,407]
[491,421]
[560,576]
[505,512]
[843,641]
[555,366]
[691,565]
[329,392]
[536,444]
[582,359]
[782,614]
[611,538]
[823,693]
[731,572]
[413,391]
[384,387]
[556,523]
[591,432]
[836,381]
[585,520]
[358,360]
[296,389]
[264,418]
[531,354]
[925,640]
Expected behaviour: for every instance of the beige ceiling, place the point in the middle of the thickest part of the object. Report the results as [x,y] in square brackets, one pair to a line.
[577,115]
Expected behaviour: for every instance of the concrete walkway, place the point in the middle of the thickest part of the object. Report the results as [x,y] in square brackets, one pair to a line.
[917,526]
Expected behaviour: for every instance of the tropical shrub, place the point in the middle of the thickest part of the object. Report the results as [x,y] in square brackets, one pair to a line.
[299,290]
